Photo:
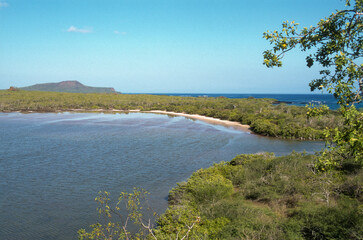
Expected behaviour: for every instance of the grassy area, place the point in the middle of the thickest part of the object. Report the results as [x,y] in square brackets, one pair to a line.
[264,117]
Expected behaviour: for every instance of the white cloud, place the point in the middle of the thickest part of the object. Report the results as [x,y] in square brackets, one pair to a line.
[118,32]
[3,4]
[78,30]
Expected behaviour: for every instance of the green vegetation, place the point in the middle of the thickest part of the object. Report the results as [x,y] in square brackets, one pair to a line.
[67,86]
[134,204]
[337,45]
[265,197]
[264,117]
[338,48]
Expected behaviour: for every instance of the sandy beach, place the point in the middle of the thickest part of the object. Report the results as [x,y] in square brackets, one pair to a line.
[211,120]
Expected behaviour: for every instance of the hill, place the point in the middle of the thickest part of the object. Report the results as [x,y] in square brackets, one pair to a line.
[68,86]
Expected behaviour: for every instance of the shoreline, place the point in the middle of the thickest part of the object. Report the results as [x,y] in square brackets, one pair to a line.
[211,120]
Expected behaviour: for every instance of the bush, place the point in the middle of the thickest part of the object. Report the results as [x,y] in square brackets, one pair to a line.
[175,222]
[243,159]
[208,186]
[246,220]
[343,221]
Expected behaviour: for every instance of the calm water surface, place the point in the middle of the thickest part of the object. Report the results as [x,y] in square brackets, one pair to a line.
[52,165]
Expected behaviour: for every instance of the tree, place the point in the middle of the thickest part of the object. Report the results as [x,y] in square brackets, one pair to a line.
[130,209]
[337,43]
[111,229]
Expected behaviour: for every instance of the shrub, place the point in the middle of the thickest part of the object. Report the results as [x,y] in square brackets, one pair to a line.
[208,186]
[343,221]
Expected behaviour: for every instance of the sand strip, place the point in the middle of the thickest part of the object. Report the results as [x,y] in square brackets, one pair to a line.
[211,120]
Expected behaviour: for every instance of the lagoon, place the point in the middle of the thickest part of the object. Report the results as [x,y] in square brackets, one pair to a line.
[52,165]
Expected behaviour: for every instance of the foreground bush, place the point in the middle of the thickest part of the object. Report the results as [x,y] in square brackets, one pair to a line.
[273,198]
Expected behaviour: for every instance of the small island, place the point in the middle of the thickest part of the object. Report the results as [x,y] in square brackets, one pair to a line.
[67,86]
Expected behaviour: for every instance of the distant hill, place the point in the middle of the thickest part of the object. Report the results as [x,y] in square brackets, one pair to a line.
[68,86]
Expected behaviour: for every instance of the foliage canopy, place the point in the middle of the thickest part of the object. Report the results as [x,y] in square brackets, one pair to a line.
[337,42]
[337,45]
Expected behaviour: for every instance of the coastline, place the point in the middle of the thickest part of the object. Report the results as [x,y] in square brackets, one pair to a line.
[211,120]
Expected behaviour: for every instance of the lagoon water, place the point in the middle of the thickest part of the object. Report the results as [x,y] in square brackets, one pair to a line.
[52,165]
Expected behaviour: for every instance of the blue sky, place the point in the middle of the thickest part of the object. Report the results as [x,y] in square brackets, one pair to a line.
[154,46]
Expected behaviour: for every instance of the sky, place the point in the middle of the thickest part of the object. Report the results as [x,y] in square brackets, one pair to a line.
[154,46]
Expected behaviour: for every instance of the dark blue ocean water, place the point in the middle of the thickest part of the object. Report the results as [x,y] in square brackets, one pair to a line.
[293,99]
[52,165]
